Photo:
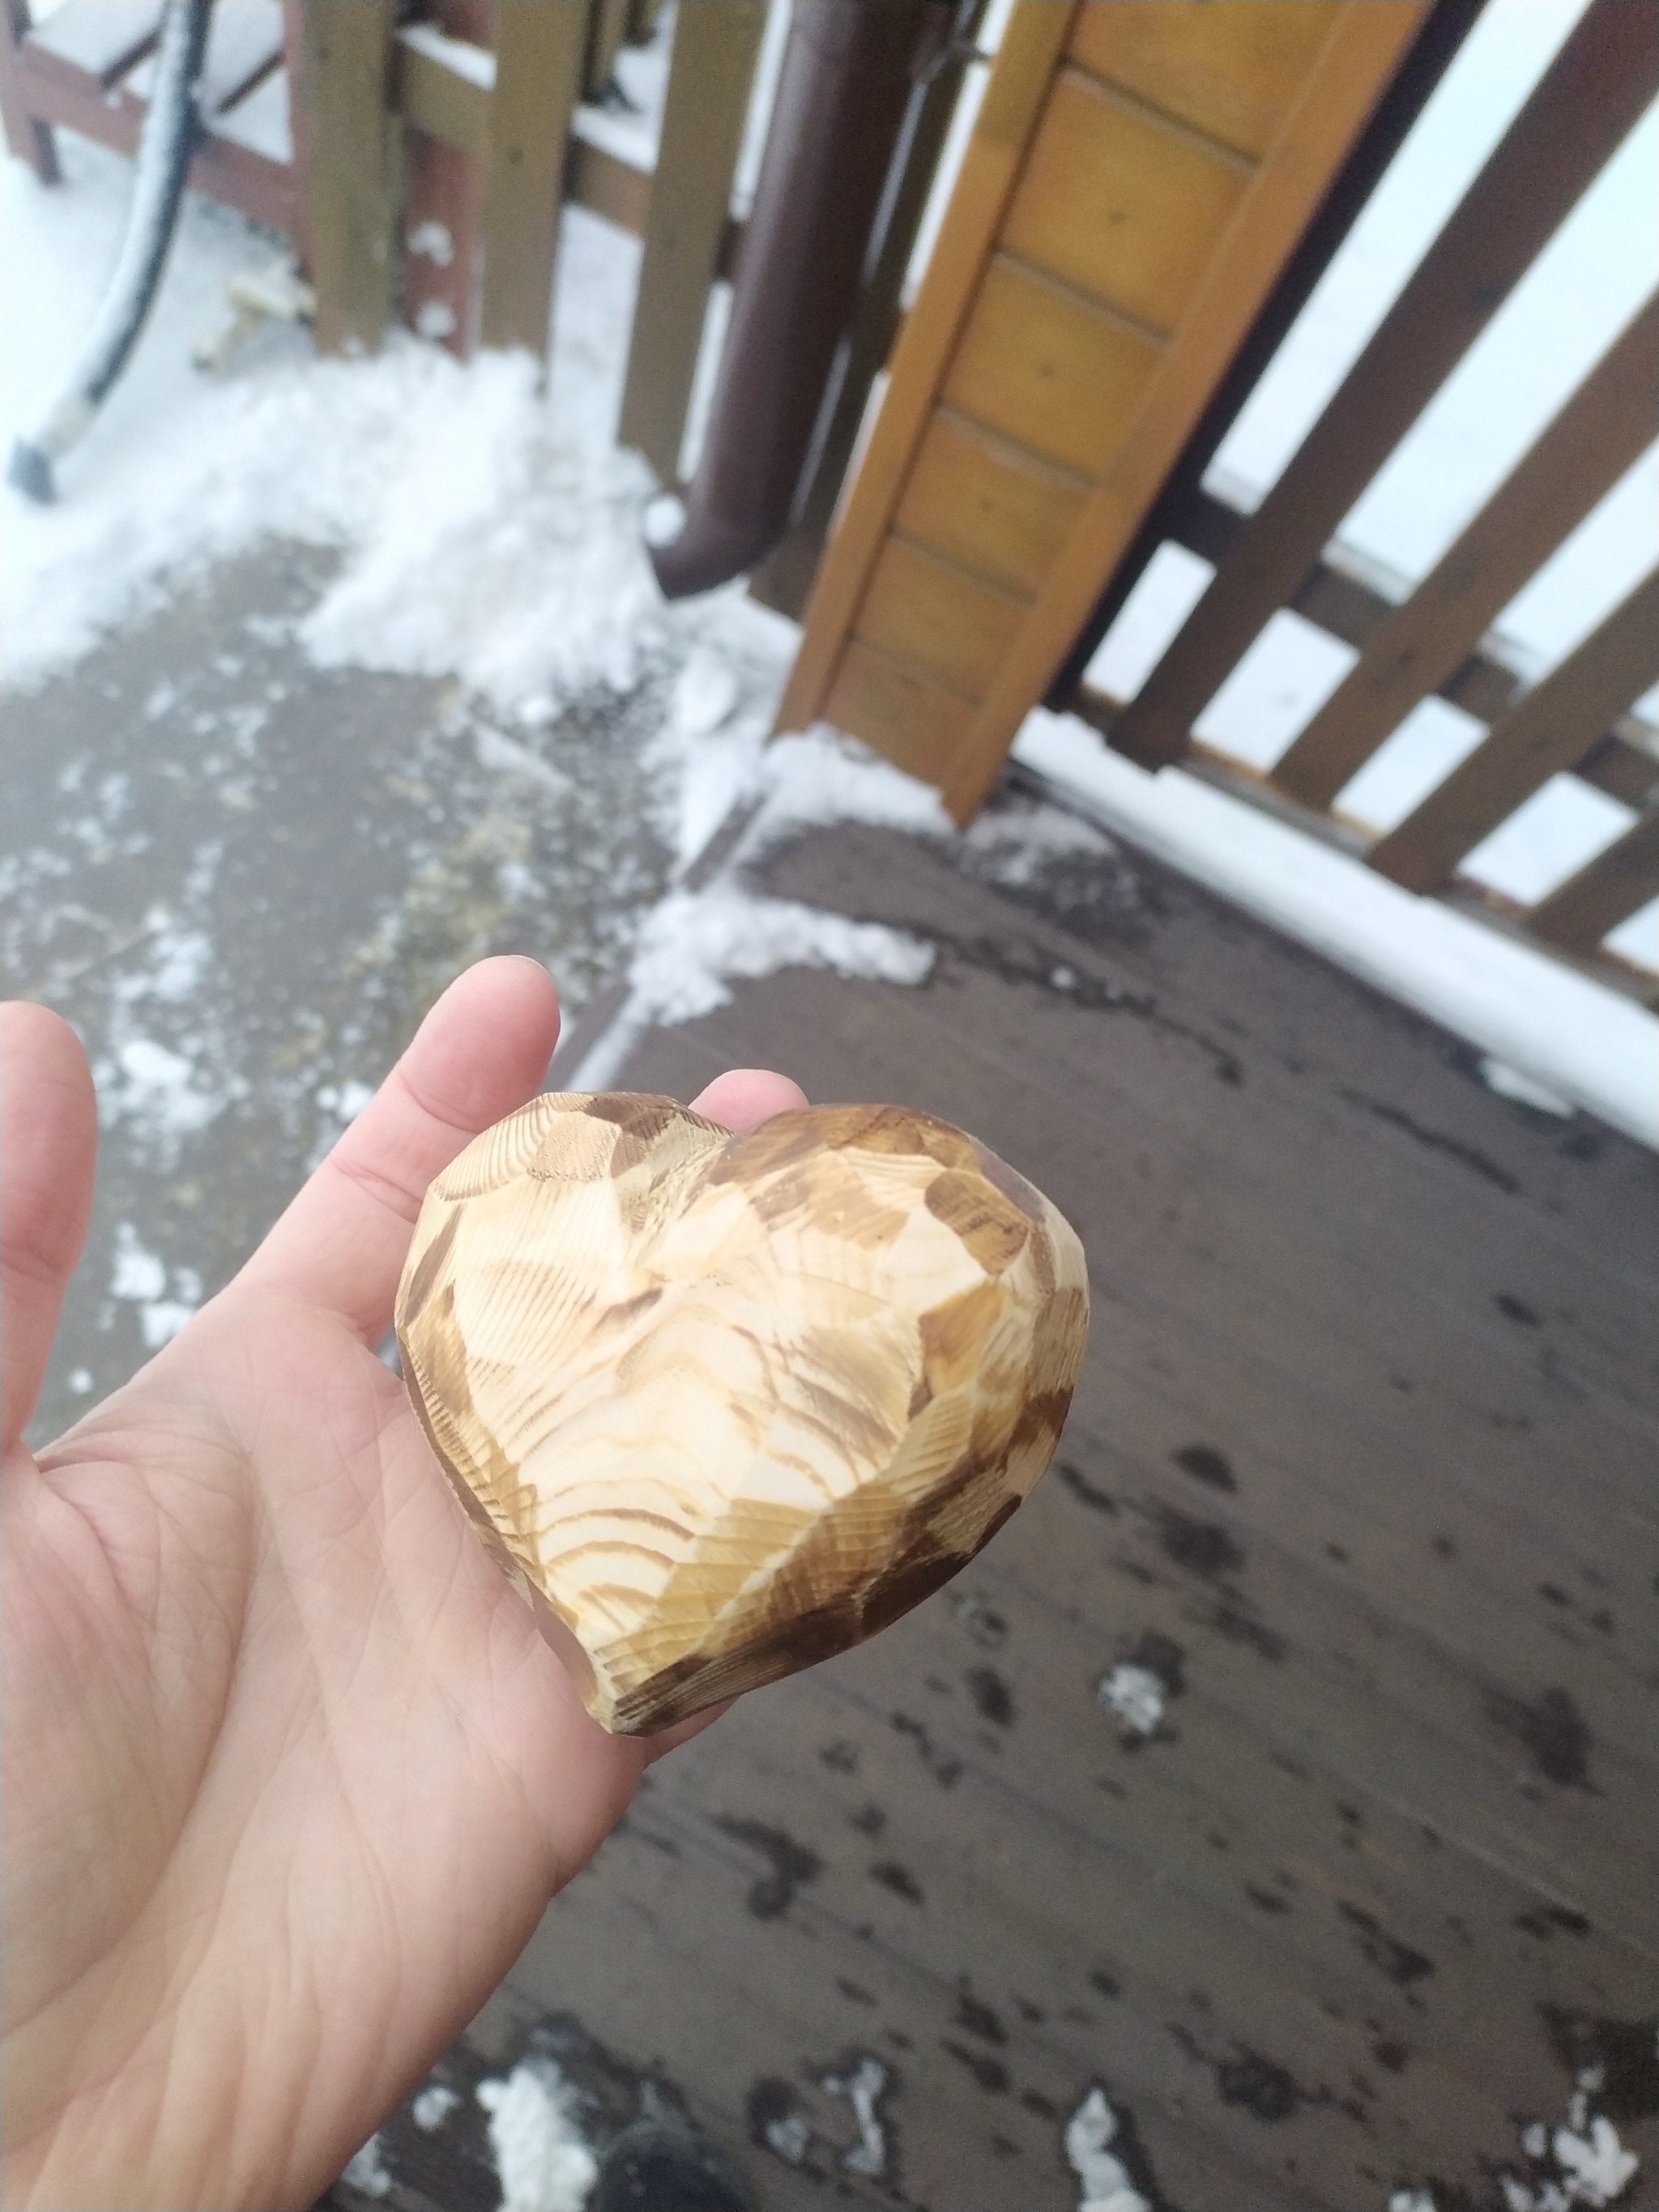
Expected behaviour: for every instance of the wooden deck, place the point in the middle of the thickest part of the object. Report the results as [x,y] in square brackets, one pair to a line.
[1362,1470]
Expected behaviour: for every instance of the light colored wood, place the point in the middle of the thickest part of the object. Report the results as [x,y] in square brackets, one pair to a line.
[1547,730]
[989,505]
[929,612]
[352,181]
[1602,428]
[1019,82]
[724,1405]
[711,71]
[539,48]
[1120,203]
[1233,72]
[1367,41]
[444,102]
[1049,368]
[917,723]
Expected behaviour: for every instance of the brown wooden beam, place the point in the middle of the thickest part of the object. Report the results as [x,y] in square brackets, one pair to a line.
[539,50]
[1591,96]
[1611,888]
[1623,762]
[1602,428]
[1541,735]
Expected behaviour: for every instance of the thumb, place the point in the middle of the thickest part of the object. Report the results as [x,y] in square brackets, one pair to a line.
[48,1151]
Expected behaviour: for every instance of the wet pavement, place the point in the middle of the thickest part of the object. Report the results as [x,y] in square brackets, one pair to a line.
[244,878]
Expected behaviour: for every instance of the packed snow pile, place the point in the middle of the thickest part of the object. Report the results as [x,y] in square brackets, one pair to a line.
[488,529]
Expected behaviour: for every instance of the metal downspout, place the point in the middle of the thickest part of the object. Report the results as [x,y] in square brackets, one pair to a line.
[849,71]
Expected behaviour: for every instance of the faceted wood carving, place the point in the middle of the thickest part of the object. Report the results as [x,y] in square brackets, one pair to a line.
[722,1405]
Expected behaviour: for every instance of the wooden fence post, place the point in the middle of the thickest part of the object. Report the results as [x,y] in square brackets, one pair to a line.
[715,45]
[540,48]
[353,178]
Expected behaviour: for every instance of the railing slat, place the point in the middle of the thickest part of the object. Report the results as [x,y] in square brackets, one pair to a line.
[352,182]
[540,46]
[1547,730]
[710,72]
[1603,427]
[1624,761]
[1611,888]
[1593,93]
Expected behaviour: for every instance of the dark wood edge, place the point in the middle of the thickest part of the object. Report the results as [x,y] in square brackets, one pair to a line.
[1343,834]
[1624,762]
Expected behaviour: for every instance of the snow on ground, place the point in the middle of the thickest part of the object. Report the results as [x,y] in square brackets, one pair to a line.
[1584,288]
[493,532]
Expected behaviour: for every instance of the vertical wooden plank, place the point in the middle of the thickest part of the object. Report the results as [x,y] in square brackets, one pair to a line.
[29,139]
[1598,85]
[1611,888]
[710,72]
[1595,438]
[540,46]
[1019,84]
[1365,46]
[785,579]
[353,182]
[1547,730]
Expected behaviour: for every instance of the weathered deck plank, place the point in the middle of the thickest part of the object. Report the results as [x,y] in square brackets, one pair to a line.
[1363,1463]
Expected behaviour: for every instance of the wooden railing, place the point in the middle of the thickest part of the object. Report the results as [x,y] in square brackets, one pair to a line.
[1435,639]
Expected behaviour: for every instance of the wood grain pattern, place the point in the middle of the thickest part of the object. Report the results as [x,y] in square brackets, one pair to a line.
[1122,203]
[930,612]
[1233,73]
[987,504]
[724,1405]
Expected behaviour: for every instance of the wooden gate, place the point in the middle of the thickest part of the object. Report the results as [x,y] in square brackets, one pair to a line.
[1140,175]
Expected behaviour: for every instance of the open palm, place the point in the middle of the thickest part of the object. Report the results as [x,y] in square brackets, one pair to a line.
[289,1772]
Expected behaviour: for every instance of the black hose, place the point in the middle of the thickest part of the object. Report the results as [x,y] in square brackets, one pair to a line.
[168,140]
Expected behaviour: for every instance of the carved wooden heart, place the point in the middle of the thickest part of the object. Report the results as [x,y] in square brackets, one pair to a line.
[726,1405]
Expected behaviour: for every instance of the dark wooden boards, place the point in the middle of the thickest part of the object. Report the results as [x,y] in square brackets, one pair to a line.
[1598,83]
[1363,1465]
[1597,434]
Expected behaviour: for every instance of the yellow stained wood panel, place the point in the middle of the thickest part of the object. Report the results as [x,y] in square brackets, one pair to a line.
[1038,362]
[938,618]
[989,505]
[917,725]
[1121,203]
[1231,68]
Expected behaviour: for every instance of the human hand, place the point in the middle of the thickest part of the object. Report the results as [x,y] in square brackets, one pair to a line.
[289,1773]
